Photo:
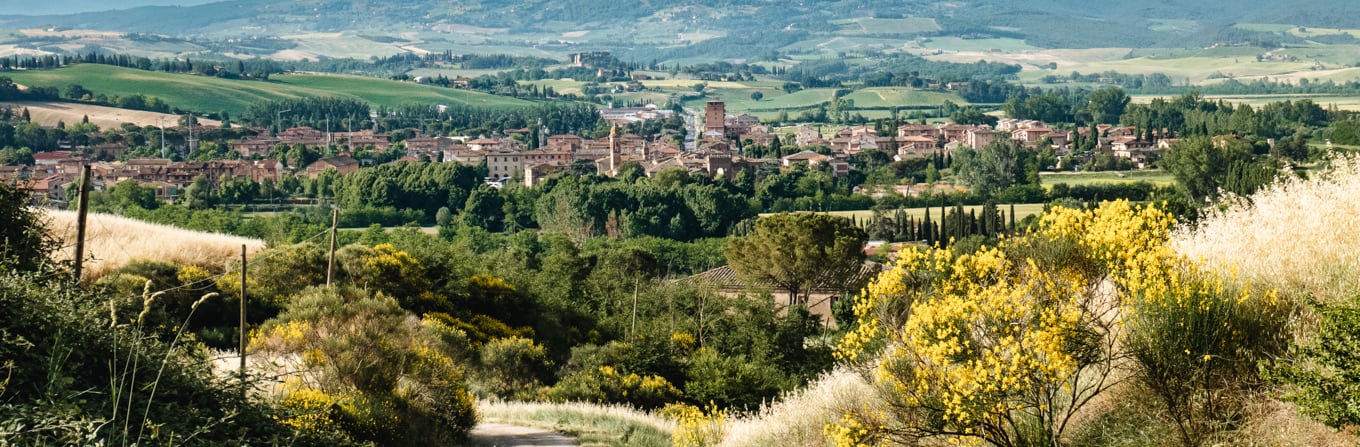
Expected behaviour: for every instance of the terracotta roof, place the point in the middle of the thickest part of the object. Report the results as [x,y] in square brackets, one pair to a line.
[54,155]
[806,155]
[340,161]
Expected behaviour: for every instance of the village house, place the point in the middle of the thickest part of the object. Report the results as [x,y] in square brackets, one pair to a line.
[430,147]
[54,158]
[915,146]
[623,116]
[47,190]
[917,130]
[759,135]
[740,124]
[820,300]
[979,137]
[807,136]
[839,167]
[255,146]
[342,164]
[535,173]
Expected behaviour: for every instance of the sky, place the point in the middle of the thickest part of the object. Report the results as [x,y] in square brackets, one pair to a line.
[45,7]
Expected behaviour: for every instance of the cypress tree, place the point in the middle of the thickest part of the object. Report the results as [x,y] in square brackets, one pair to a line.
[962,223]
[926,226]
[1012,218]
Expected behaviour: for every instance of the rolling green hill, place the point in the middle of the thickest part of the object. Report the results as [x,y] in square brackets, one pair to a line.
[212,95]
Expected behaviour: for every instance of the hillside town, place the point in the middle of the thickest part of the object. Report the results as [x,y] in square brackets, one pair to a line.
[508,157]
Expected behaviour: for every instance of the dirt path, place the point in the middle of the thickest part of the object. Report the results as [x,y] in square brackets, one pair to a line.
[504,435]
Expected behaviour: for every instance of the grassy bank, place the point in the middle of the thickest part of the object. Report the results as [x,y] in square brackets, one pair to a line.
[591,425]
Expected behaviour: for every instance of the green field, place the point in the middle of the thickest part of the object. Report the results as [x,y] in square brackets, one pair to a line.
[1156,177]
[874,100]
[867,25]
[211,95]
[1326,101]
[901,97]
[960,44]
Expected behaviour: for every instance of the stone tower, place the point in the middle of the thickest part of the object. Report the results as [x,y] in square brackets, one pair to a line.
[715,115]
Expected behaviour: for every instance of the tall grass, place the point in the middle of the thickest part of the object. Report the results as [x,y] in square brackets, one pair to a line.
[798,419]
[1296,235]
[114,241]
[591,424]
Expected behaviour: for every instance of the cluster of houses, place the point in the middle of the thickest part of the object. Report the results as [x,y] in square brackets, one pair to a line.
[924,140]
[505,157]
[54,173]
[263,145]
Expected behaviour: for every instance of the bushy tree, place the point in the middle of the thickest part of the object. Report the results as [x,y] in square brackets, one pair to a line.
[1107,104]
[992,168]
[24,243]
[1202,164]
[800,252]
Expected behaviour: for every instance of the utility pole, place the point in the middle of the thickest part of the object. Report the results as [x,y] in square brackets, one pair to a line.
[161,123]
[242,332]
[82,207]
[632,331]
[190,120]
[330,264]
[278,120]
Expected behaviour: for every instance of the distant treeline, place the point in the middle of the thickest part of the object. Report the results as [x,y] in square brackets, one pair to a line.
[342,114]
[9,91]
[235,69]
[1160,83]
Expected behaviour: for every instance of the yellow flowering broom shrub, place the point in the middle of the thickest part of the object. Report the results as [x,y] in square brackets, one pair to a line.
[696,427]
[1006,344]
[364,368]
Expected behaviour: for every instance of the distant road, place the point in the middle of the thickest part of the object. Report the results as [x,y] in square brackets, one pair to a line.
[504,435]
[49,113]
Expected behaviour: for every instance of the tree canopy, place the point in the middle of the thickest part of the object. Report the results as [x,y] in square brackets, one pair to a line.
[799,252]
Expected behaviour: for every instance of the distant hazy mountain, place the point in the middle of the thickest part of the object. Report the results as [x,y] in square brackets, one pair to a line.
[53,7]
[712,28]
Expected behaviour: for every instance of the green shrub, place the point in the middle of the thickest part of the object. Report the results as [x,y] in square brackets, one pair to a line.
[608,385]
[732,381]
[24,244]
[67,368]
[1198,346]
[513,367]
[1325,373]
[369,370]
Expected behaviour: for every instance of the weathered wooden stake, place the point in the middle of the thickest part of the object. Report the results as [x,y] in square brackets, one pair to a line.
[82,209]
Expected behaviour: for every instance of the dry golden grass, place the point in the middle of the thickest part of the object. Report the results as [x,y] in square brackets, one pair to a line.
[113,241]
[1278,424]
[591,424]
[49,113]
[798,419]
[1297,235]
